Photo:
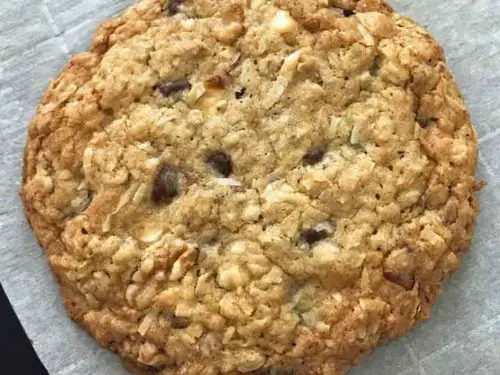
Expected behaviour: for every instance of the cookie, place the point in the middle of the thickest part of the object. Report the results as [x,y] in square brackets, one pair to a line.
[263,187]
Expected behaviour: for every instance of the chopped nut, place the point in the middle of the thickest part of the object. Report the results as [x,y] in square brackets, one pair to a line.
[229,182]
[258,269]
[182,264]
[138,277]
[249,360]
[355,135]
[289,67]
[283,23]
[147,322]
[130,293]
[140,193]
[228,32]
[151,235]
[145,296]
[238,247]
[125,254]
[232,277]
[196,92]
[326,253]
[287,72]
[124,199]
[147,265]
[367,37]
[169,297]
[210,344]
[251,213]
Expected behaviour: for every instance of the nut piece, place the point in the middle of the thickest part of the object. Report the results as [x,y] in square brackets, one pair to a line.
[250,360]
[232,278]
[182,264]
[283,23]
[147,266]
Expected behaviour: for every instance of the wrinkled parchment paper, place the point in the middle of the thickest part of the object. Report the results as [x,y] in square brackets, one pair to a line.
[36,39]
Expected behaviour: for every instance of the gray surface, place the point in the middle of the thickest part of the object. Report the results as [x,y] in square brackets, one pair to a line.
[36,39]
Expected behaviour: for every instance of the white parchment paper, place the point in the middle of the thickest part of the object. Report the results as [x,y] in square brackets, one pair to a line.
[36,39]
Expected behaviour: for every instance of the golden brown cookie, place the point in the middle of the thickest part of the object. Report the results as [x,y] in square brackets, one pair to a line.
[252,186]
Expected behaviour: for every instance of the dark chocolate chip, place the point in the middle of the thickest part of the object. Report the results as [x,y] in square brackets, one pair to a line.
[173,7]
[312,235]
[314,155]
[405,281]
[166,185]
[426,122]
[175,86]
[221,162]
[240,93]
[348,12]
[178,322]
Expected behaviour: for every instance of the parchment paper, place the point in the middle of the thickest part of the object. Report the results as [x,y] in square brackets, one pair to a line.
[36,39]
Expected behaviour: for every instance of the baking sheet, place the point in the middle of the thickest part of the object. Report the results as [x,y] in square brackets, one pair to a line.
[36,39]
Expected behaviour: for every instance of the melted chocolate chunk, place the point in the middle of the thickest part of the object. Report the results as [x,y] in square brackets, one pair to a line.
[173,7]
[312,235]
[166,185]
[426,122]
[174,87]
[348,12]
[221,162]
[179,322]
[314,155]
[240,93]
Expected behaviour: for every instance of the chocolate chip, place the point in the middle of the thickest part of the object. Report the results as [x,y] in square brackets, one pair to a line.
[405,281]
[173,7]
[179,322]
[312,235]
[166,185]
[240,93]
[175,86]
[314,155]
[426,122]
[348,12]
[221,162]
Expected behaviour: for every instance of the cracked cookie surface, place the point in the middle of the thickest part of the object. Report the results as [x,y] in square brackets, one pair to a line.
[267,187]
